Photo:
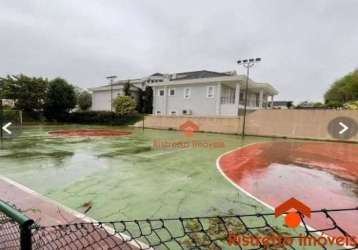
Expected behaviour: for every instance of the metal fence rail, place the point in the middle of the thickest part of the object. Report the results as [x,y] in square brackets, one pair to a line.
[213,233]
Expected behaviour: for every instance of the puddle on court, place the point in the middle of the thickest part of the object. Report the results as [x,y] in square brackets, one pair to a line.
[322,175]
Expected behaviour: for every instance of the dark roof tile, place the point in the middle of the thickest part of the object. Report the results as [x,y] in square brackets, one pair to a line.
[196,75]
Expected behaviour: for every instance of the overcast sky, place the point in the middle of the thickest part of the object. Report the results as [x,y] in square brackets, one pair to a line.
[304,45]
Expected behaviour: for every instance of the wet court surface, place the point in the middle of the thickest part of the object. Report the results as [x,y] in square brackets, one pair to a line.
[125,177]
[322,175]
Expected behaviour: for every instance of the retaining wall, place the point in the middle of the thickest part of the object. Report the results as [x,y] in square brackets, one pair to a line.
[305,124]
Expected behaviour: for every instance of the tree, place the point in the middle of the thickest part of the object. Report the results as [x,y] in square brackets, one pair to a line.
[148,100]
[124,105]
[343,90]
[139,106]
[29,93]
[127,89]
[84,100]
[61,98]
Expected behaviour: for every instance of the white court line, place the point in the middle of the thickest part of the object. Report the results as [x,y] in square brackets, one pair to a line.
[77,214]
[254,197]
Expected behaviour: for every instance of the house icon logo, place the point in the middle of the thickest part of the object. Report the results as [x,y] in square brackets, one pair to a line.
[293,218]
[188,128]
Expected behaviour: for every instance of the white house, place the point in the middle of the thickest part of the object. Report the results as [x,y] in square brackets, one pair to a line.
[197,93]
[101,96]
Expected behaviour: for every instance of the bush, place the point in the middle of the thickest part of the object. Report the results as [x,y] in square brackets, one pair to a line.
[84,100]
[334,104]
[124,105]
[102,117]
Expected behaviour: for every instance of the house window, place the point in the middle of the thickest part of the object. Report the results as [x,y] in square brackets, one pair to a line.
[161,92]
[173,112]
[210,92]
[171,92]
[158,112]
[187,93]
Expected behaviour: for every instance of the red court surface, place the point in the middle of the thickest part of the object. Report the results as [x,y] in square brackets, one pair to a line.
[88,133]
[321,175]
[46,212]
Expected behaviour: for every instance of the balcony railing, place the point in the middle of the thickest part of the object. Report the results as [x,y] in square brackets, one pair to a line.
[228,100]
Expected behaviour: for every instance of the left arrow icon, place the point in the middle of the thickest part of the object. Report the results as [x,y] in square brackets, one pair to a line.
[5,128]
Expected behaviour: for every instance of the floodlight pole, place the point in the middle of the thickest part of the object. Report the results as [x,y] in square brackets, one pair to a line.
[111,79]
[247,63]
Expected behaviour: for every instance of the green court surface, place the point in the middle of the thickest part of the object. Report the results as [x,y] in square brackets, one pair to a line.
[131,177]
[125,177]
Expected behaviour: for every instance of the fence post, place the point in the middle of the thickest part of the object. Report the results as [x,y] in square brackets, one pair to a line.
[24,222]
[26,235]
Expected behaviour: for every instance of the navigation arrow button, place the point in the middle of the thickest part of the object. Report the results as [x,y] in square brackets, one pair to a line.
[5,128]
[345,128]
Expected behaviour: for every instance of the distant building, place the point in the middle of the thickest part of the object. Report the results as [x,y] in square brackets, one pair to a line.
[282,104]
[197,93]
[8,102]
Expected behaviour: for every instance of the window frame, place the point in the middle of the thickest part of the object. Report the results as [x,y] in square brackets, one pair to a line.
[159,90]
[169,92]
[189,93]
[207,91]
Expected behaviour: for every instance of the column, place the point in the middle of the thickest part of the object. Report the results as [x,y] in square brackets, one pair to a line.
[261,97]
[155,93]
[237,97]
[218,99]
[166,100]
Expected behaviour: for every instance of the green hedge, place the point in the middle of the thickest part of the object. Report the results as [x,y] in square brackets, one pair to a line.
[102,117]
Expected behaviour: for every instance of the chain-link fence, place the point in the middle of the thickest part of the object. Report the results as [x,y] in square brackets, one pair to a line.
[253,231]
[15,228]
[9,233]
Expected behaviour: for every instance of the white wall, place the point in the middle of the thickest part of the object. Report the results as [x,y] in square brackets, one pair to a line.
[101,100]
[228,109]
[198,103]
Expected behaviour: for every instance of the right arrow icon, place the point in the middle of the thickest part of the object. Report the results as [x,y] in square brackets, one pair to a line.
[344,128]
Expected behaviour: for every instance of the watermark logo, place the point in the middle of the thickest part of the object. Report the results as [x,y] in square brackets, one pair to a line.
[292,219]
[188,128]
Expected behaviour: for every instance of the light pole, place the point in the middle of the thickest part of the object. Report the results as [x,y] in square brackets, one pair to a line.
[247,63]
[111,79]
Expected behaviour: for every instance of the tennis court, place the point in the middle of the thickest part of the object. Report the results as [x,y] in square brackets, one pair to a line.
[126,178]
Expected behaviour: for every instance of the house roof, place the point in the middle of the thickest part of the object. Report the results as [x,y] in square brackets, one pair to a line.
[196,75]
[192,77]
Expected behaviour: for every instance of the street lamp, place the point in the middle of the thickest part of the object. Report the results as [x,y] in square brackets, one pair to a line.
[111,79]
[247,63]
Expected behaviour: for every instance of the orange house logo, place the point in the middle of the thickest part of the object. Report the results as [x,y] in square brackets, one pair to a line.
[293,219]
[188,128]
